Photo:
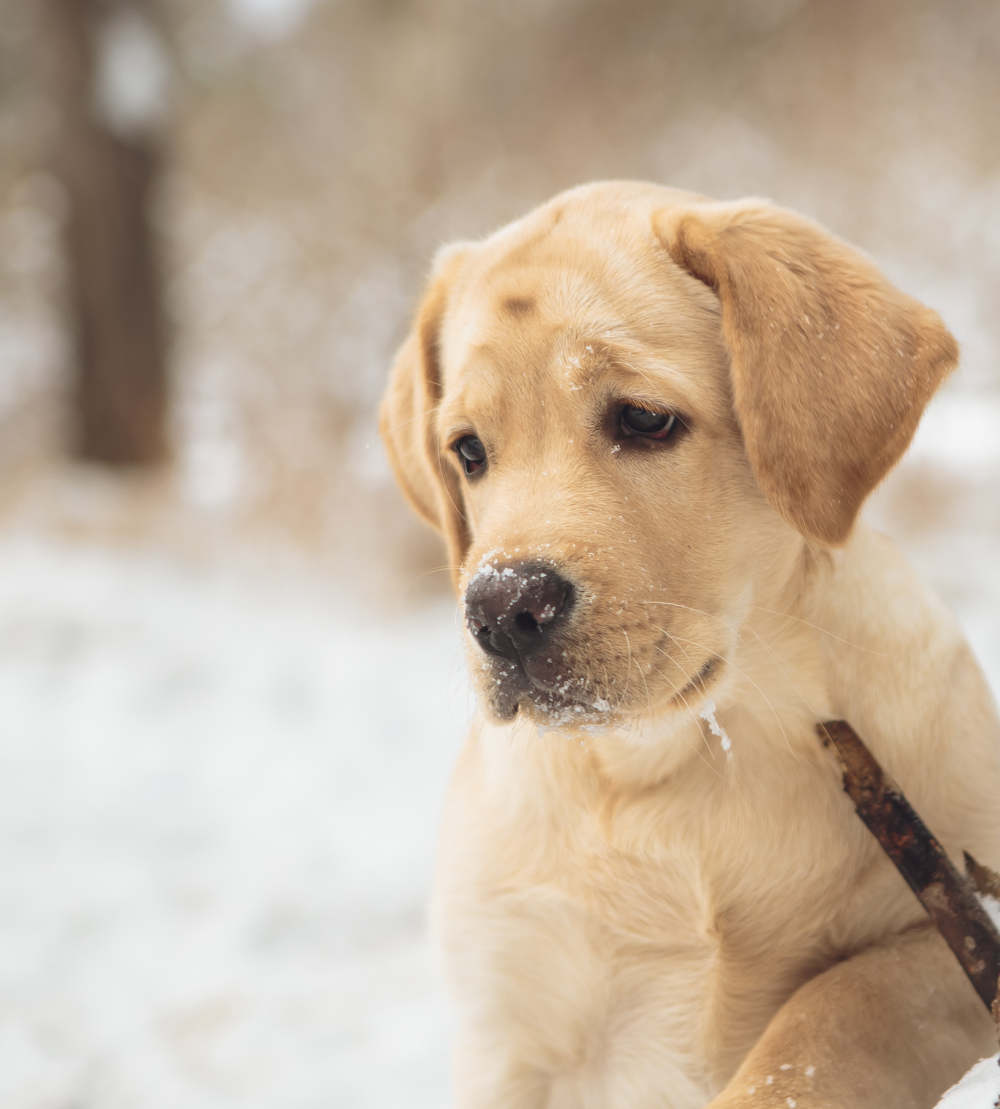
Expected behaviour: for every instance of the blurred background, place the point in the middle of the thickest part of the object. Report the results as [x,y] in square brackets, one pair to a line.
[230,684]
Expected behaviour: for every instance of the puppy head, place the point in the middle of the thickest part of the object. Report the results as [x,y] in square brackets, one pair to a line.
[628,413]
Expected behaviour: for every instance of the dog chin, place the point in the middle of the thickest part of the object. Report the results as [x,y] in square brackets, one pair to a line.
[508,692]
[635,721]
[565,707]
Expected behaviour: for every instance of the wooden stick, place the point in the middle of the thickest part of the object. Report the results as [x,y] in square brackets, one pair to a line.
[947,895]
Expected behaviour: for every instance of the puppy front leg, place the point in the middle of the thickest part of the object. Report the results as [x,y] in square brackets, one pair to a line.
[891,1028]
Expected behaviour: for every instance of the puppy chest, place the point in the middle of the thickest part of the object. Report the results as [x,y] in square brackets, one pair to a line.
[597,965]
[591,968]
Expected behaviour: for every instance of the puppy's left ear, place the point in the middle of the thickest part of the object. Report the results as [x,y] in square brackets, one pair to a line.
[406,417]
[831,364]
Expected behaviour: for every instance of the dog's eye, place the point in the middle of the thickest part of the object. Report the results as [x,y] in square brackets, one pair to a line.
[472,454]
[633,421]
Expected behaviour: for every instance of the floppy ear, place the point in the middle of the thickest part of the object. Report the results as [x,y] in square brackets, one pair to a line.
[406,417]
[831,365]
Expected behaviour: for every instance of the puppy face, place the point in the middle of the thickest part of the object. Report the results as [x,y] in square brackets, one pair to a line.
[595,386]
[628,412]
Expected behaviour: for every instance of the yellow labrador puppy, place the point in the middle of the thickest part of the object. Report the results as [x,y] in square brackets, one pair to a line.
[645,423]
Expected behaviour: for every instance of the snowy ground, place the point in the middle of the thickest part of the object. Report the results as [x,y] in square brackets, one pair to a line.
[980,1089]
[217,809]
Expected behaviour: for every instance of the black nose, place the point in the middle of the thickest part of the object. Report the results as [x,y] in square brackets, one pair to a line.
[511,608]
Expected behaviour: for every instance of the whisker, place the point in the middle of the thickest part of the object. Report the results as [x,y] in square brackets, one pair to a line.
[649,699]
[434,570]
[694,717]
[819,628]
[628,665]
[688,608]
[743,674]
[816,712]
[768,648]
[772,612]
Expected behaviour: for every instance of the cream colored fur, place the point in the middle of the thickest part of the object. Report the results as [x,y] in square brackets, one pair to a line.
[631,916]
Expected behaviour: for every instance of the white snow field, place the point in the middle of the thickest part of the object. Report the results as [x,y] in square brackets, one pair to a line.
[218,800]
[980,1088]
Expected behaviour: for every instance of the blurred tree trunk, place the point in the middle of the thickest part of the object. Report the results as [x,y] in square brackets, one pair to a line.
[110,75]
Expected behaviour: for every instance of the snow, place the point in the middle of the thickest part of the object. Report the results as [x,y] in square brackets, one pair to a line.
[218,799]
[708,715]
[992,907]
[979,1089]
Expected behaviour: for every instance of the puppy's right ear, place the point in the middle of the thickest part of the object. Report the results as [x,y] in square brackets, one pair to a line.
[406,418]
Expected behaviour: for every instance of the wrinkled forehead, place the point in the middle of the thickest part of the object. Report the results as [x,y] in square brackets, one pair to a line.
[533,300]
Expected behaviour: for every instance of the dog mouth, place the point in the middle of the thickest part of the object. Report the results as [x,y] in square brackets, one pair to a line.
[549,692]
[559,697]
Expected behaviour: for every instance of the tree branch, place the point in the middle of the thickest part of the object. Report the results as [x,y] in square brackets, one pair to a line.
[948,896]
